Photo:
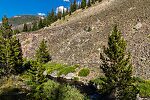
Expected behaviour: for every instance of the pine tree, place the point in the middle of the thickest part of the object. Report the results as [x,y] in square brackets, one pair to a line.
[18,56]
[64,14]
[10,50]
[6,30]
[93,1]
[25,28]
[117,69]
[40,24]
[59,15]
[42,54]
[51,17]
[83,4]
[89,3]
[34,27]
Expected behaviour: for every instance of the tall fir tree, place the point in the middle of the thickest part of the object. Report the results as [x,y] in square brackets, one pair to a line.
[51,17]
[42,54]
[34,26]
[59,15]
[63,14]
[93,2]
[89,3]
[18,56]
[83,4]
[6,30]
[10,54]
[117,69]
[40,24]
[25,28]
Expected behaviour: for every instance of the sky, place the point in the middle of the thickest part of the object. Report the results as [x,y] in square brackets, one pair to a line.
[12,8]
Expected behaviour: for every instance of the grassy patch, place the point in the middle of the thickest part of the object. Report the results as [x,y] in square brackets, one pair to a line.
[84,72]
[66,70]
[61,68]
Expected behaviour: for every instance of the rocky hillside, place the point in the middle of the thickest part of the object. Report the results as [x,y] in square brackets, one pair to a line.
[80,37]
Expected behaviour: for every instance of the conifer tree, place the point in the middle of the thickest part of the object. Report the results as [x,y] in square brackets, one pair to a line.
[64,14]
[89,3]
[117,69]
[18,56]
[51,17]
[42,54]
[11,55]
[59,15]
[25,28]
[83,4]
[40,24]
[6,30]
[93,2]
[34,27]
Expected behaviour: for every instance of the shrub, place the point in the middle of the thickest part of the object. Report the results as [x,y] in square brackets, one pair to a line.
[70,93]
[76,79]
[46,91]
[143,86]
[84,72]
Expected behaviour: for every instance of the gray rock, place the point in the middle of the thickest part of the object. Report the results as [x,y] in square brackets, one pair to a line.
[70,76]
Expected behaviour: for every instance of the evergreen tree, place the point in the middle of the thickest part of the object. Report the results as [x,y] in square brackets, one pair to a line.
[51,17]
[42,54]
[93,1]
[18,56]
[59,15]
[64,14]
[117,69]
[83,4]
[6,30]
[40,24]
[25,28]
[89,3]
[34,27]
[11,55]
[73,6]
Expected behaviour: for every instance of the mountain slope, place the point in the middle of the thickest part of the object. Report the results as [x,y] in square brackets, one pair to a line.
[71,42]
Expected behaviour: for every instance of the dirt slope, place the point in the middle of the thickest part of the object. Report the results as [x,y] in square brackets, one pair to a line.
[70,42]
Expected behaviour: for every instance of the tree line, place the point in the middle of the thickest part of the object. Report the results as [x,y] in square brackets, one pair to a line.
[52,16]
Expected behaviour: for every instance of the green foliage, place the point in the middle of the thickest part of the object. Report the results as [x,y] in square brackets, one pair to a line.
[34,74]
[66,70]
[84,72]
[89,3]
[11,53]
[16,31]
[47,91]
[42,54]
[117,69]
[25,28]
[34,27]
[73,6]
[76,79]
[69,93]
[83,4]
[61,68]
[51,17]
[41,24]
[143,86]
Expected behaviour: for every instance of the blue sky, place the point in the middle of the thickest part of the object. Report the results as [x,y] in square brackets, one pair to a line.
[24,7]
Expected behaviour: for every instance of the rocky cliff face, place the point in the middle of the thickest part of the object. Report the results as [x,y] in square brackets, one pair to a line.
[80,37]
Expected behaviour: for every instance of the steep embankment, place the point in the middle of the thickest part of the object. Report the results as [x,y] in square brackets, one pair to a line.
[70,41]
